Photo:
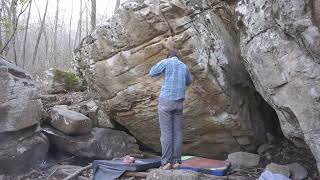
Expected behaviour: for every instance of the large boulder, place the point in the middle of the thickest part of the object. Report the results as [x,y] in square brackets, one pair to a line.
[22,150]
[280,46]
[70,122]
[100,143]
[19,105]
[221,115]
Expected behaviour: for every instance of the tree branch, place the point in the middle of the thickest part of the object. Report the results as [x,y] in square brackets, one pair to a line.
[23,9]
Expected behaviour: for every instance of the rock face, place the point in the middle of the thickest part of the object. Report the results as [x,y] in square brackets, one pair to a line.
[20,151]
[100,143]
[221,115]
[21,145]
[70,122]
[280,47]
[19,106]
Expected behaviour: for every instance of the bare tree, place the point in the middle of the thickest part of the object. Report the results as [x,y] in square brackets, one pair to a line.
[25,36]
[6,15]
[117,5]
[87,19]
[80,21]
[70,23]
[13,9]
[55,33]
[93,14]
[1,10]
[11,31]
[39,34]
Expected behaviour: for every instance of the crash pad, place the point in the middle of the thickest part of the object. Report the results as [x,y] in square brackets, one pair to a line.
[204,165]
[112,169]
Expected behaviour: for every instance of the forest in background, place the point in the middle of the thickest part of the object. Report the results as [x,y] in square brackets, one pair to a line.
[41,38]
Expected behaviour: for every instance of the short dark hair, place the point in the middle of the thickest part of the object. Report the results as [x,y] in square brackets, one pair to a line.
[172,53]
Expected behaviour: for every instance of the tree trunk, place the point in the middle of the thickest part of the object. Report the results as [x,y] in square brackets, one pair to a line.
[1,10]
[39,34]
[55,34]
[117,5]
[93,14]
[80,21]
[13,9]
[87,19]
[6,28]
[12,29]
[46,40]
[70,23]
[25,36]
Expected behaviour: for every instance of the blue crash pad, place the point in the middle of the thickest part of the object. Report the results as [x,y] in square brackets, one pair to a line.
[112,169]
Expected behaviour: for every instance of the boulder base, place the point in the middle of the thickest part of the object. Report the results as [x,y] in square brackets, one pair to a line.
[100,143]
[22,150]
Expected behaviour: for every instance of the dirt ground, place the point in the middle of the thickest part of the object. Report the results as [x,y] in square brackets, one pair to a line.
[281,152]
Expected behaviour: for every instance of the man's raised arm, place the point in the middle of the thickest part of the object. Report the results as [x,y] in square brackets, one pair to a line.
[157,69]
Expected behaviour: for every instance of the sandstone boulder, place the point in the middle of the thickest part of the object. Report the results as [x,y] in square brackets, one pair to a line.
[221,113]
[98,144]
[70,122]
[19,105]
[22,150]
[280,49]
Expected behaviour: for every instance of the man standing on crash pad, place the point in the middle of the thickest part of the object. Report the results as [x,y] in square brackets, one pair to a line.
[176,77]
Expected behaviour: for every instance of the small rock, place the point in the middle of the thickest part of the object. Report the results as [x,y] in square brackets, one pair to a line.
[263,148]
[297,171]
[104,120]
[48,97]
[278,169]
[70,122]
[243,159]
[159,174]
[63,171]
[100,143]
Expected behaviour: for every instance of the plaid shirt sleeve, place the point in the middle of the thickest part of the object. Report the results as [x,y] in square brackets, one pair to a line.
[157,69]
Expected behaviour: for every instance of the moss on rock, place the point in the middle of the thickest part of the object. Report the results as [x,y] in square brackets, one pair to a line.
[67,81]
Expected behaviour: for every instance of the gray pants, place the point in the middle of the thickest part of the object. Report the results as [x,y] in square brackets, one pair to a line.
[170,119]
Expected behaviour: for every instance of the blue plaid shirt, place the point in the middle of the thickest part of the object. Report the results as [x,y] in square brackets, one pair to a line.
[176,77]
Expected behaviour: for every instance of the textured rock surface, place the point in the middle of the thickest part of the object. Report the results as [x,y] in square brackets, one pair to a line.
[19,106]
[297,171]
[63,171]
[278,169]
[22,150]
[99,144]
[69,122]
[221,115]
[172,175]
[280,47]
[243,159]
